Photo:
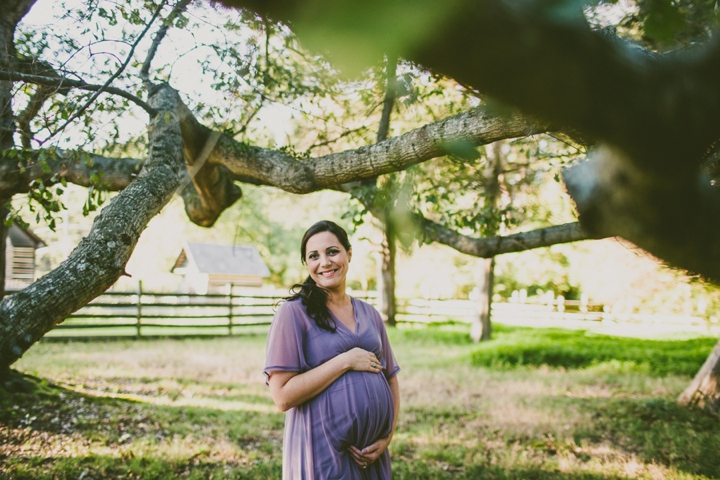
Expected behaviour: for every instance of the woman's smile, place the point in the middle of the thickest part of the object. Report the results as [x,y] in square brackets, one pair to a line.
[327,260]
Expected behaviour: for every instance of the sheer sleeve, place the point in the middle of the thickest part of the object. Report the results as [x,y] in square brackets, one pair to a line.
[388,361]
[284,349]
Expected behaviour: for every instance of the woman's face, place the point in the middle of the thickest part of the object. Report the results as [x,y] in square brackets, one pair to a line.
[327,261]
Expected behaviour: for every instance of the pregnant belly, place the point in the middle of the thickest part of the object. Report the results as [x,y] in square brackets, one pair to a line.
[355,410]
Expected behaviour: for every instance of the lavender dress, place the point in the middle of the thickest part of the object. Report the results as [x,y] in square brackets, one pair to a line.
[357,409]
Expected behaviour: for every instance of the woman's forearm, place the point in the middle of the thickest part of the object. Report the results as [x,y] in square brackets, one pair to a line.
[290,389]
[395,391]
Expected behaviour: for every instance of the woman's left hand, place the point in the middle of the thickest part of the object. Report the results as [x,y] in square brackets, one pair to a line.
[369,454]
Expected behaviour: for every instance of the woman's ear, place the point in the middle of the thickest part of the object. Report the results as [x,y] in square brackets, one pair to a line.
[349,254]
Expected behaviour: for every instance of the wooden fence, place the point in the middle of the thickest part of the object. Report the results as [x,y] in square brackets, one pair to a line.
[154,314]
[157,314]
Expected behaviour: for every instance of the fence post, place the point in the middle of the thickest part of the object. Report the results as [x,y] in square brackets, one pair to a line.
[230,310]
[139,310]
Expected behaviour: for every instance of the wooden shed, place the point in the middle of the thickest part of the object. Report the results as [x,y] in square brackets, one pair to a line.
[20,247]
[210,268]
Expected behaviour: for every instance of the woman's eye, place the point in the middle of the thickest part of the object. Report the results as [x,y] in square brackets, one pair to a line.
[333,252]
[313,256]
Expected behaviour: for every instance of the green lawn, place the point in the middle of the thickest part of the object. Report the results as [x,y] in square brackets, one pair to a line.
[531,404]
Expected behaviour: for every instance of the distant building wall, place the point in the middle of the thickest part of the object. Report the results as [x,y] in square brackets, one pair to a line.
[19,266]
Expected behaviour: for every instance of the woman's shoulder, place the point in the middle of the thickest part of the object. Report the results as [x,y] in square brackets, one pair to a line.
[292,306]
[367,309]
[291,314]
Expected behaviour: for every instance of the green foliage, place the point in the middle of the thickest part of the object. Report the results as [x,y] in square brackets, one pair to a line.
[548,273]
[664,24]
[578,349]
[663,21]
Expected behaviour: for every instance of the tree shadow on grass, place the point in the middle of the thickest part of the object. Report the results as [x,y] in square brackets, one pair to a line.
[658,431]
[620,432]
[48,431]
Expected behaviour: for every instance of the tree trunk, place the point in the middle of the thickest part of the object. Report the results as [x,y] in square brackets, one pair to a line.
[389,249]
[3,249]
[100,258]
[481,328]
[389,306]
[704,391]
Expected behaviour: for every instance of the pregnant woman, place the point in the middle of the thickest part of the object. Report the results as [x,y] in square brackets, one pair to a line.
[330,367]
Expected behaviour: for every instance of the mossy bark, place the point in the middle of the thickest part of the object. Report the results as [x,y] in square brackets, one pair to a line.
[100,258]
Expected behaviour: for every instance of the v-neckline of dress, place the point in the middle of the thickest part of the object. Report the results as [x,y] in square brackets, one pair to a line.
[335,317]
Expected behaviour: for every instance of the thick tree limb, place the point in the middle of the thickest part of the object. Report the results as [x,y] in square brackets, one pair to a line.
[65,82]
[428,230]
[518,242]
[673,218]
[453,134]
[19,170]
[100,258]
[210,188]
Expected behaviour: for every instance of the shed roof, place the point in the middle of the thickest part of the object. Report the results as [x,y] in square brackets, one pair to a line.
[223,259]
[23,237]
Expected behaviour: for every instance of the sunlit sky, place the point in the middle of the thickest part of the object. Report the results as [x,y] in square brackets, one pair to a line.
[180,45]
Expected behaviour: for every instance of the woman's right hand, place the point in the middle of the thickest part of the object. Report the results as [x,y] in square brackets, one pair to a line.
[361,360]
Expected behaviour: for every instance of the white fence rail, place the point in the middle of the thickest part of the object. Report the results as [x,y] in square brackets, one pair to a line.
[155,314]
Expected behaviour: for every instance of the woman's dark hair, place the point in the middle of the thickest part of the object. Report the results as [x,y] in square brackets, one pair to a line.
[314,297]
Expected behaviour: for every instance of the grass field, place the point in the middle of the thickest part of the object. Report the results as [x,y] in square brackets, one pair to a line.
[531,404]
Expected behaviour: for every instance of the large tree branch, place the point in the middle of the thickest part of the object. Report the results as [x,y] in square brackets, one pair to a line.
[518,242]
[65,82]
[100,258]
[210,187]
[673,218]
[454,134]
[19,168]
